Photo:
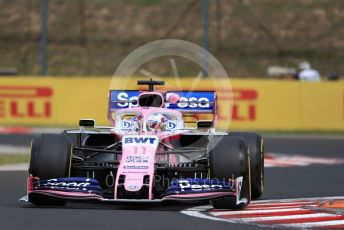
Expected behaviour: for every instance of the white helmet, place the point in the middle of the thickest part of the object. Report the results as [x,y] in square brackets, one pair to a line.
[304,65]
[156,122]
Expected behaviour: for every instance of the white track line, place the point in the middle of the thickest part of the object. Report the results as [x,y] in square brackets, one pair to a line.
[287,161]
[313,224]
[234,213]
[286,217]
[198,212]
[10,149]
[297,199]
[272,208]
[14,167]
[301,160]
[260,203]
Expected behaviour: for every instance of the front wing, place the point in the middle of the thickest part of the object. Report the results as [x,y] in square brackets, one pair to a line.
[87,189]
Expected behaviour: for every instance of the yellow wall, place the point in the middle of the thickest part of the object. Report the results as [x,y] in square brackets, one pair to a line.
[295,105]
[258,104]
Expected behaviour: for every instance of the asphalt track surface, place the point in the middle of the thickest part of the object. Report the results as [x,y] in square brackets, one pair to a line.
[281,183]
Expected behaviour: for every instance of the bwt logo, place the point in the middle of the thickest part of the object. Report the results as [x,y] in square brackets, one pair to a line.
[25,102]
[139,140]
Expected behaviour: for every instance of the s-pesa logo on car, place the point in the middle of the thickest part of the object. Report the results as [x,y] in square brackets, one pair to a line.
[189,101]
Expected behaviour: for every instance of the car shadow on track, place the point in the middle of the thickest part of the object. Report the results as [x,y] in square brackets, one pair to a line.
[166,206]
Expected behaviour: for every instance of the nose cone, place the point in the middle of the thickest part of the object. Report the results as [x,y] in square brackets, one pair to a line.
[137,160]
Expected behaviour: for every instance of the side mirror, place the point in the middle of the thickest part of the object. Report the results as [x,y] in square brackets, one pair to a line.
[86,122]
[173,98]
[205,124]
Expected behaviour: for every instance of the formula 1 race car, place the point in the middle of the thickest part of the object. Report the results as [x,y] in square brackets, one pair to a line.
[149,155]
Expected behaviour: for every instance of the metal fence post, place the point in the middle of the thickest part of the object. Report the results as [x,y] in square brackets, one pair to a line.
[205,9]
[43,58]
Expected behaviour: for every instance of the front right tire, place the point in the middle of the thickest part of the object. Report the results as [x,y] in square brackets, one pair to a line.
[50,158]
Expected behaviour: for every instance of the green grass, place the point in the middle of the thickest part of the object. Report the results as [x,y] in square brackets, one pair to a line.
[14,158]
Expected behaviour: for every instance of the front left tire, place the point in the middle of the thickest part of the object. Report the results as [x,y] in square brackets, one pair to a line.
[229,158]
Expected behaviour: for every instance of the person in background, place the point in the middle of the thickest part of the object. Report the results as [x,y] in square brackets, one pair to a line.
[307,73]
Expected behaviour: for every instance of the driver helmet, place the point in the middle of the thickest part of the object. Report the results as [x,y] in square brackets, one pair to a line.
[136,123]
[156,122]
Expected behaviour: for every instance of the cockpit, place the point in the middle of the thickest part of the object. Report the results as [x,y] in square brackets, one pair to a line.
[148,121]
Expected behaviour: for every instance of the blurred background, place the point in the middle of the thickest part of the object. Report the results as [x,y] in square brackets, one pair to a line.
[53,51]
[91,37]
[285,59]
[58,56]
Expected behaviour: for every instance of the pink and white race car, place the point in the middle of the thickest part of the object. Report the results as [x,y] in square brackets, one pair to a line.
[149,155]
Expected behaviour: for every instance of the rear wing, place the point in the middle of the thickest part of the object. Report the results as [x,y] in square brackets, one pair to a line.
[189,102]
[198,107]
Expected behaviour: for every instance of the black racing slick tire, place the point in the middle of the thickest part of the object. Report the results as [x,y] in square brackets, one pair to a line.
[255,145]
[50,158]
[228,158]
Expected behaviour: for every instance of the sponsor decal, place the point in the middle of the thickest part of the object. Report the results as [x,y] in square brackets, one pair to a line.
[137,149]
[135,167]
[132,187]
[133,172]
[125,125]
[189,101]
[129,99]
[139,140]
[199,185]
[192,100]
[244,105]
[171,125]
[239,200]
[137,159]
[22,102]
[75,184]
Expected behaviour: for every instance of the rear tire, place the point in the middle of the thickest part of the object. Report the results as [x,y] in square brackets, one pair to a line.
[229,157]
[50,158]
[255,145]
